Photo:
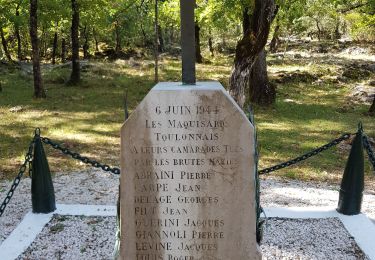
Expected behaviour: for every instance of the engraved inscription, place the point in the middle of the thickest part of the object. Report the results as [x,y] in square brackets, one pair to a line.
[186,171]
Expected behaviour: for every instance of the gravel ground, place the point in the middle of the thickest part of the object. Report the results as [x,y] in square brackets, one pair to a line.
[74,237]
[92,187]
[288,193]
[309,239]
[283,239]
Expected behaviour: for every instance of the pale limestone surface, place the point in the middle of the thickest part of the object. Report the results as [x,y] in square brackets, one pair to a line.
[188,177]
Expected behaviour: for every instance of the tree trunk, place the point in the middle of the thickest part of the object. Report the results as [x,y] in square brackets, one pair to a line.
[86,44]
[144,35]
[5,45]
[156,41]
[261,91]
[17,32]
[372,108]
[45,43]
[210,44]
[38,84]
[198,54]
[161,39]
[118,37]
[96,40]
[337,30]
[172,34]
[319,30]
[54,48]
[63,50]
[246,22]
[275,40]
[41,43]
[250,46]
[75,77]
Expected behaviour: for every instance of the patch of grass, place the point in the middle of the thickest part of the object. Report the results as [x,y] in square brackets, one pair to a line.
[61,218]
[306,116]
[87,118]
[56,228]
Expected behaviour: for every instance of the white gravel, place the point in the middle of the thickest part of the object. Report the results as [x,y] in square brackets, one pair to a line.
[92,187]
[71,237]
[290,193]
[309,239]
[74,237]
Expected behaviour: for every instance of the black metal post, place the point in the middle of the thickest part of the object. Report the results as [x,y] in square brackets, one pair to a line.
[352,185]
[42,191]
[188,41]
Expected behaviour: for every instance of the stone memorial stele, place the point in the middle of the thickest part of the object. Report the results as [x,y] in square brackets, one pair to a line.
[188,177]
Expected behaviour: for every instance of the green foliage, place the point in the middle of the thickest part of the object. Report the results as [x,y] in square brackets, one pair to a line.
[362,26]
[130,23]
[327,19]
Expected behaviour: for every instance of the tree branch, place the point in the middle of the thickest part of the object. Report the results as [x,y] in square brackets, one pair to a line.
[353,7]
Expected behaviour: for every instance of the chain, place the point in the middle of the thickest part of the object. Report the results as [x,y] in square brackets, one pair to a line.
[370,152]
[306,156]
[17,180]
[83,159]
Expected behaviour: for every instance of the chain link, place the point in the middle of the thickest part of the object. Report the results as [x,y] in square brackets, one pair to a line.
[370,152]
[306,156]
[17,180]
[77,156]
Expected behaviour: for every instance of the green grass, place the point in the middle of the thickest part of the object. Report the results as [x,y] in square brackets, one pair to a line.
[87,118]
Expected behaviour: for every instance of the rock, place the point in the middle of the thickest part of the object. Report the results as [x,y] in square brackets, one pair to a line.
[353,72]
[322,49]
[300,76]
[363,94]
[120,62]
[342,79]
[134,64]
[369,67]
[346,108]
[16,109]
[355,51]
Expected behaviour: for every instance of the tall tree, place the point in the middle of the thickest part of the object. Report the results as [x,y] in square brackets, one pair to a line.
[17,31]
[249,48]
[198,53]
[161,39]
[261,91]
[210,43]
[118,36]
[86,45]
[4,42]
[75,76]
[38,83]
[156,41]
[54,48]
[274,44]
[63,50]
